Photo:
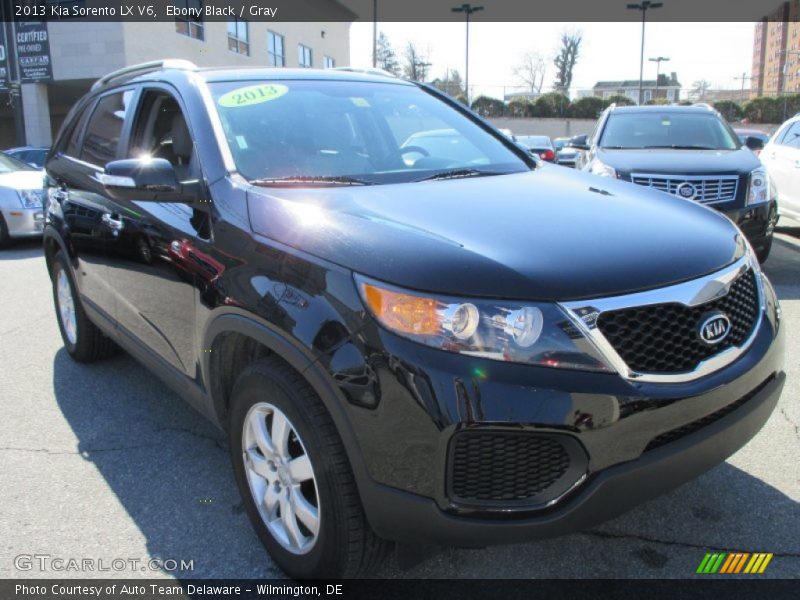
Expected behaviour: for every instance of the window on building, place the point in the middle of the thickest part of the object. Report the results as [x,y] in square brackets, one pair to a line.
[277,56]
[238,38]
[101,140]
[305,57]
[329,63]
[191,26]
[648,95]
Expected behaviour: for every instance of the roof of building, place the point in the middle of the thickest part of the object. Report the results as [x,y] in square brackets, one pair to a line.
[663,81]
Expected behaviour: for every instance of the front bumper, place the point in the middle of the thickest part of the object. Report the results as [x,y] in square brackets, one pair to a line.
[756,222]
[24,222]
[408,404]
[409,518]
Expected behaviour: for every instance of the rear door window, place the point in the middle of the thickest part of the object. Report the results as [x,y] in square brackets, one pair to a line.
[103,133]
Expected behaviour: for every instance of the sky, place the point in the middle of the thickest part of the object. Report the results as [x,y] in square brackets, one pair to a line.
[717,52]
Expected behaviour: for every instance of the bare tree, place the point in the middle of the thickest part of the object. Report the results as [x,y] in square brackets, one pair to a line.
[531,70]
[451,83]
[700,89]
[386,57]
[416,63]
[566,58]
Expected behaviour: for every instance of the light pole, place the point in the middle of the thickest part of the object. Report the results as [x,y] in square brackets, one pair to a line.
[374,34]
[658,60]
[643,6]
[467,9]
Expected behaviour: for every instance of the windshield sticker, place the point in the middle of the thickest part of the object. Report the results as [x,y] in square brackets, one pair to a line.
[362,102]
[252,94]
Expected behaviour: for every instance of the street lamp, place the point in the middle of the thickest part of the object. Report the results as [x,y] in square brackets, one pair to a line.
[658,60]
[643,6]
[467,9]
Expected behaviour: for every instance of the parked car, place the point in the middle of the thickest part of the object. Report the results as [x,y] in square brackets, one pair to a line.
[414,353]
[32,155]
[781,157]
[743,134]
[690,152]
[21,212]
[567,155]
[540,145]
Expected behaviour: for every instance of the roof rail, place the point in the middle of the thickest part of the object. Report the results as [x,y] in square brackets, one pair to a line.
[366,71]
[142,68]
[703,105]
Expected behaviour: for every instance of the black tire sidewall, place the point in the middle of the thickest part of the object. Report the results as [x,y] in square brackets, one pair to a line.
[324,559]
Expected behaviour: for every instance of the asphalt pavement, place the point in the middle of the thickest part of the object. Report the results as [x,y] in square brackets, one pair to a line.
[103,462]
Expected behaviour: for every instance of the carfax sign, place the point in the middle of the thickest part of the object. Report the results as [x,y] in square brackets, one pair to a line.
[33,52]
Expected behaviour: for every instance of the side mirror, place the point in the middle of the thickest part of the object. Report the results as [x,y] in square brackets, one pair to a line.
[579,142]
[754,143]
[152,179]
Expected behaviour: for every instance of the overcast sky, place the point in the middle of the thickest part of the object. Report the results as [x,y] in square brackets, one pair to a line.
[717,52]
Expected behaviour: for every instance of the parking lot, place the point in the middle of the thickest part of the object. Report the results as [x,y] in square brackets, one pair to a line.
[104,462]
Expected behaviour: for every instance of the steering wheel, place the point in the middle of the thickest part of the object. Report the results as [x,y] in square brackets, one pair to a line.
[417,149]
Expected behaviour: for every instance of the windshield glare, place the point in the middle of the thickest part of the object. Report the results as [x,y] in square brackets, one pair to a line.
[9,164]
[375,132]
[667,130]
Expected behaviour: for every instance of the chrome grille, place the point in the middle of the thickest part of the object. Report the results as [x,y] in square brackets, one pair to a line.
[705,189]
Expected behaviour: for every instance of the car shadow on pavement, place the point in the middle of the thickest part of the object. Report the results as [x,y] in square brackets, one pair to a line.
[170,470]
[22,249]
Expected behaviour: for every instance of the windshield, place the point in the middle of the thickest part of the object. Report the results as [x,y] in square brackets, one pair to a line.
[703,131]
[351,131]
[9,164]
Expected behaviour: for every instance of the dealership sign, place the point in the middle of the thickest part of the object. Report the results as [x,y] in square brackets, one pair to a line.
[33,52]
[3,58]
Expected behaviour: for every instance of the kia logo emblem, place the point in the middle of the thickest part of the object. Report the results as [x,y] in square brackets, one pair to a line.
[714,328]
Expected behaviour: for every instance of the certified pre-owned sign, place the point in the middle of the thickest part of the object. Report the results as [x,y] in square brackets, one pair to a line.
[33,52]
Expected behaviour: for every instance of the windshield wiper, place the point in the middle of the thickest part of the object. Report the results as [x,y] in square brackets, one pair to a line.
[312,180]
[457,174]
[679,147]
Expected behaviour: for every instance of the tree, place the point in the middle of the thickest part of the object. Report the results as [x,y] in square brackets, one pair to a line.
[520,107]
[552,104]
[386,57]
[488,107]
[619,100]
[531,71]
[699,90]
[566,58]
[588,107]
[451,83]
[416,63]
[729,109]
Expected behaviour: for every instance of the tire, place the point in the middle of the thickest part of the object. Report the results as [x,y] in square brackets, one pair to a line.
[762,254]
[267,392]
[5,238]
[82,339]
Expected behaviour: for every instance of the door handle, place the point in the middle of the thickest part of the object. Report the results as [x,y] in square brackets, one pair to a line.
[112,223]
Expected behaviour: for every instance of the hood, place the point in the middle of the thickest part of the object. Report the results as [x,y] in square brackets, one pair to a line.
[543,235]
[22,180]
[681,162]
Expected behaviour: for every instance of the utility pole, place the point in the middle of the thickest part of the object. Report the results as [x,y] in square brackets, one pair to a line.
[643,6]
[14,84]
[658,60]
[788,54]
[374,34]
[467,9]
[744,77]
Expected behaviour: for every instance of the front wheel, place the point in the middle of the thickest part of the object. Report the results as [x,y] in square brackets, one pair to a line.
[295,478]
[762,254]
[82,339]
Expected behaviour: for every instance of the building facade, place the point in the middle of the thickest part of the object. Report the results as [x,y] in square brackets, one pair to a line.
[81,52]
[776,52]
[667,87]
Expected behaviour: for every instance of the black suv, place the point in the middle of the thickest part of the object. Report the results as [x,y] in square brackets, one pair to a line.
[690,152]
[454,346]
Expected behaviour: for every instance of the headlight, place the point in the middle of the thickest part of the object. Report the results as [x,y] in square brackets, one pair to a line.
[761,188]
[532,333]
[602,169]
[31,198]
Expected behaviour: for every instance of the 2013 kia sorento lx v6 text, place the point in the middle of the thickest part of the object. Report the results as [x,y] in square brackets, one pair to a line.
[420,345]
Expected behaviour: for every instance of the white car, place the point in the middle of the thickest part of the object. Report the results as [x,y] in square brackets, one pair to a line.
[21,200]
[781,157]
